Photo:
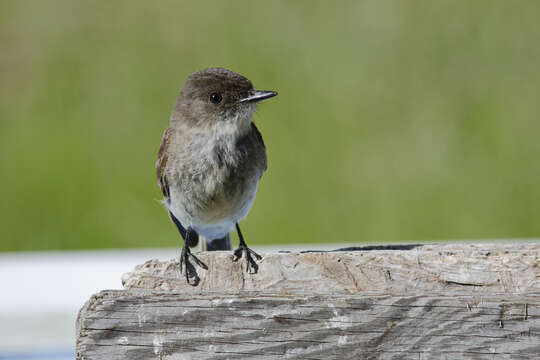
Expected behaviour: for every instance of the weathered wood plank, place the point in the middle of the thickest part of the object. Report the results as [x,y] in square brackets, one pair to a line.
[458,268]
[132,325]
[434,301]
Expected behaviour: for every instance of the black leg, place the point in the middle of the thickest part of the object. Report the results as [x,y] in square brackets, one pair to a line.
[191,238]
[243,250]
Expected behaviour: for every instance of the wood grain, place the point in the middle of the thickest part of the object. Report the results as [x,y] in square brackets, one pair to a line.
[126,325]
[457,268]
[429,302]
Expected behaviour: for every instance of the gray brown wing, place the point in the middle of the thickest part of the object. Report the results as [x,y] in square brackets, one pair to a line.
[260,142]
[161,163]
[258,135]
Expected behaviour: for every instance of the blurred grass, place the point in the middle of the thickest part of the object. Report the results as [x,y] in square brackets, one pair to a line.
[396,121]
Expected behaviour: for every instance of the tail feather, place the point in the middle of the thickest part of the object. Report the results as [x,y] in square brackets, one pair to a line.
[223,243]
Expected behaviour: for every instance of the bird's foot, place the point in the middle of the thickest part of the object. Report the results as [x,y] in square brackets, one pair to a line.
[186,267]
[251,264]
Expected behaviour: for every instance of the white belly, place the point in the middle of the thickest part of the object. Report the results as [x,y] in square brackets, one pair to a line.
[212,223]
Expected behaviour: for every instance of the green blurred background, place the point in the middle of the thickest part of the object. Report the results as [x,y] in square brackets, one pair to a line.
[395,120]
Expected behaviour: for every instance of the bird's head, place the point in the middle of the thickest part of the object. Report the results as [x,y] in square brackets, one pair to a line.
[215,97]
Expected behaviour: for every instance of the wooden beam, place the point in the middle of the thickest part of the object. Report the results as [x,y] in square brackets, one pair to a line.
[433,301]
[453,268]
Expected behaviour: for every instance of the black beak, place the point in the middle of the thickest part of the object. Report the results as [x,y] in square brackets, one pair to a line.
[258,95]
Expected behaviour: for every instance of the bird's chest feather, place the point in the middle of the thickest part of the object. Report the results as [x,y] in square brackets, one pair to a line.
[215,176]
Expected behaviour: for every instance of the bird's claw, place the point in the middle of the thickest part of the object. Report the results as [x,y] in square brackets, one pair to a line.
[251,265]
[186,267]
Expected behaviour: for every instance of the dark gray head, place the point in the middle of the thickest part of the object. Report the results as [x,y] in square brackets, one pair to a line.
[216,95]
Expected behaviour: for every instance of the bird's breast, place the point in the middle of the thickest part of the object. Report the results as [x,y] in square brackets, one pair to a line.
[219,183]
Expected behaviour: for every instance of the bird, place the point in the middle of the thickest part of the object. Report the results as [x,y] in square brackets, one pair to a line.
[210,161]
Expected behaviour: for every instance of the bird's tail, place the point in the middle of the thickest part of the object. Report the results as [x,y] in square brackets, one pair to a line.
[223,243]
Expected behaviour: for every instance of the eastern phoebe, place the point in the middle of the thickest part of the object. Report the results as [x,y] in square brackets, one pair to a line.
[210,161]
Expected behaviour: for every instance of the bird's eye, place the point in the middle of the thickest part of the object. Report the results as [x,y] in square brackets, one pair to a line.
[215,98]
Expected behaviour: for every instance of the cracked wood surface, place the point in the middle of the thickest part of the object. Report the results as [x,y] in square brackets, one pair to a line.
[434,301]
[458,268]
[133,325]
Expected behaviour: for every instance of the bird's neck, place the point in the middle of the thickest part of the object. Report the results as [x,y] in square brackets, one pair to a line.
[231,128]
[221,136]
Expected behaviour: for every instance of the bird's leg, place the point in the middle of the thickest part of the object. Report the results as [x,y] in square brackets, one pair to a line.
[190,238]
[243,250]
